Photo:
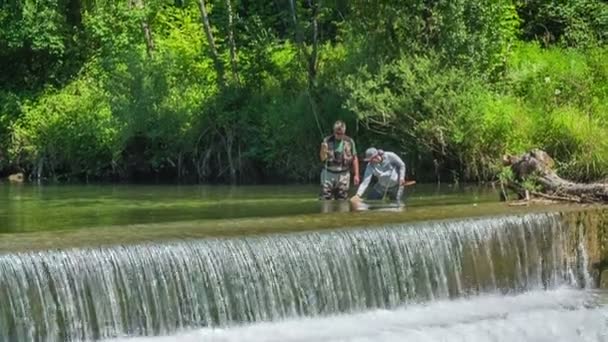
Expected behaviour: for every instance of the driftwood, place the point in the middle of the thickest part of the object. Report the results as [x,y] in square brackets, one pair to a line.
[536,167]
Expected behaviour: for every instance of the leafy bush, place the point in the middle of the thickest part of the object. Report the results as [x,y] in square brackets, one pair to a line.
[566,95]
[551,99]
[71,131]
[574,23]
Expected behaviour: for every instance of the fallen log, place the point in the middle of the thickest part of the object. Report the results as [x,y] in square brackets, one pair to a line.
[533,175]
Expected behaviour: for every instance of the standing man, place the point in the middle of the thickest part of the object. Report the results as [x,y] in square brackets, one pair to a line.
[389,169]
[339,154]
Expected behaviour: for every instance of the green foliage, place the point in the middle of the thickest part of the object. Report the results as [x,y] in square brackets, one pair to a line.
[439,113]
[472,34]
[69,132]
[506,175]
[551,99]
[39,43]
[567,99]
[576,23]
[531,184]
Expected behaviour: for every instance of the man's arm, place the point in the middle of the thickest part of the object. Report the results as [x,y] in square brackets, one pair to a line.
[356,179]
[367,178]
[397,162]
[323,151]
[356,170]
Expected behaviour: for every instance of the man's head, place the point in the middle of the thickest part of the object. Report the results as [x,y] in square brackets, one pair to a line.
[373,155]
[339,129]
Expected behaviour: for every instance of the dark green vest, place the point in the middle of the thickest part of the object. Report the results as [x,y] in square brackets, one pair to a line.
[341,153]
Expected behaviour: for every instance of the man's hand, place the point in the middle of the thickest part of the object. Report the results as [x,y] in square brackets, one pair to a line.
[356,180]
[402,182]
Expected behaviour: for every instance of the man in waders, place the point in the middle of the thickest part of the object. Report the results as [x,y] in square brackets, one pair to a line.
[339,154]
[389,170]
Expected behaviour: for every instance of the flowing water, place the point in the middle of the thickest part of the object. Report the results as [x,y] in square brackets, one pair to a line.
[162,288]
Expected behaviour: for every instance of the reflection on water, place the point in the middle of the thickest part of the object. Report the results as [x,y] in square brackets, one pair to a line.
[35,208]
[341,206]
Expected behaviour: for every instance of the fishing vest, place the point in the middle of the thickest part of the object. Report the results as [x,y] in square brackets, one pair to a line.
[341,153]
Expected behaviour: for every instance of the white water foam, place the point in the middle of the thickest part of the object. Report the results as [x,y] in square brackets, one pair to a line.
[553,316]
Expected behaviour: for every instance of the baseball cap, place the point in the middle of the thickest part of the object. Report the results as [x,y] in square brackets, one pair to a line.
[370,153]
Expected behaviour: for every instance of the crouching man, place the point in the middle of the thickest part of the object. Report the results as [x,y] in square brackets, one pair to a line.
[389,170]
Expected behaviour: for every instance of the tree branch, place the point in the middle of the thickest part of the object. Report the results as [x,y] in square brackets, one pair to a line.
[219,68]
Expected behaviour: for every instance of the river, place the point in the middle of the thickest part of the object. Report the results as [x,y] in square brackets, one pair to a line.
[189,263]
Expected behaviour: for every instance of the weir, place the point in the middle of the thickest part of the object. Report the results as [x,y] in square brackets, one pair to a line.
[160,288]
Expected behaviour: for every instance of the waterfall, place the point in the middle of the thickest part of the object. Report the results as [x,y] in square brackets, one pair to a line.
[158,288]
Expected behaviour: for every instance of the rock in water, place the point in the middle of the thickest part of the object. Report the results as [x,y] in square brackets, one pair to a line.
[16,178]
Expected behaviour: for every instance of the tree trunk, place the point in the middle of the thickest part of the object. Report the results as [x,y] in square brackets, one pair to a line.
[145,27]
[294,18]
[148,36]
[312,59]
[179,166]
[240,158]
[228,142]
[39,169]
[233,56]
[202,164]
[536,167]
[219,68]
[231,164]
